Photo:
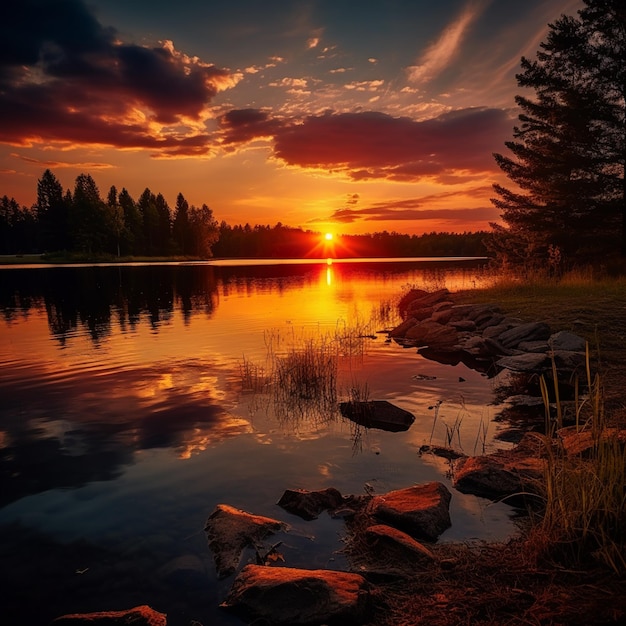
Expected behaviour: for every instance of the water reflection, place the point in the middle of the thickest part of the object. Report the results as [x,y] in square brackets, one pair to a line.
[123,422]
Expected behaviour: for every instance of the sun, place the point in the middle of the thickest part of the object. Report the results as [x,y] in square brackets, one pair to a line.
[328,236]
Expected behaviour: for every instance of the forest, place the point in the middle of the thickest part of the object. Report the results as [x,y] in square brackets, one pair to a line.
[80,223]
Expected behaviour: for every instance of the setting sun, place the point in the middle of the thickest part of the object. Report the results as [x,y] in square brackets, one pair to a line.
[328,236]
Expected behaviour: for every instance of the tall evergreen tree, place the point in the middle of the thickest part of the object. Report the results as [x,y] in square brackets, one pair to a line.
[181,226]
[568,150]
[88,217]
[52,213]
[133,242]
[150,218]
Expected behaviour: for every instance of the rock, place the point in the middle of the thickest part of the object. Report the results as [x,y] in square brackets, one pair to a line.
[407,298]
[569,361]
[388,551]
[565,340]
[441,451]
[432,334]
[421,313]
[582,442]
[466,325]
[288,596]
[394,542]
[532,331]
[493,332]
[421,511]
[441,317]
[502,474]
[230,531]
[488,319]
[379,414]
[400,329]
[138,616]
[534,346]
[444,305]
[309,504]
[526,362]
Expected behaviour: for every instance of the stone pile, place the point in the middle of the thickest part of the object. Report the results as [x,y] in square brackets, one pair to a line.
[482,335]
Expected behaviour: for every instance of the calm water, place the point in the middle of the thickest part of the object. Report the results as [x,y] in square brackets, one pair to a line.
[123,424]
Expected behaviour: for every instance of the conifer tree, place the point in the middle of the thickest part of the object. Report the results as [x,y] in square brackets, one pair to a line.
[568,151]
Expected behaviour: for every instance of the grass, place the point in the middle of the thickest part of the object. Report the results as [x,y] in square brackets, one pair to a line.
[583,489]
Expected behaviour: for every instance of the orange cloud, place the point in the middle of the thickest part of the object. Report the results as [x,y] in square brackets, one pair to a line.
[92,89]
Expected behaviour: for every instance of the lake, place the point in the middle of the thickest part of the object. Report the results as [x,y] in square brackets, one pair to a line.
[128,413]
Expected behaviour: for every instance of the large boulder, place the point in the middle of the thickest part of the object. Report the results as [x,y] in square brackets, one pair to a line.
[230,531]
[288,596]
[309,504]
[138,616]
[422,511]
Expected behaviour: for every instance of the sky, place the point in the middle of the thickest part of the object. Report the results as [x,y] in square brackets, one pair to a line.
[329,115]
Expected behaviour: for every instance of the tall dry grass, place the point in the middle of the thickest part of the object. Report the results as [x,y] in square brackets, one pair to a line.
[583,490]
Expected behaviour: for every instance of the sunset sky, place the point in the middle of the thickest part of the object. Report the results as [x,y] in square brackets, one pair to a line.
[331,115]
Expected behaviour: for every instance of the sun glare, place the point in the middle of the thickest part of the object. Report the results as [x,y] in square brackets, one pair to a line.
[328,236]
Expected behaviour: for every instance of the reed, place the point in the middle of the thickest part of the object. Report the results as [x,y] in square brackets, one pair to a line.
[583,493]
[253,377]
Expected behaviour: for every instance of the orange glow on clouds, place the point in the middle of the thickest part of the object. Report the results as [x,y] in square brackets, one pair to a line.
[330,136]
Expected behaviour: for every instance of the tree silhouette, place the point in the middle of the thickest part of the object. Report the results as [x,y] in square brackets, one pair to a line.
[568,150]
[52,213]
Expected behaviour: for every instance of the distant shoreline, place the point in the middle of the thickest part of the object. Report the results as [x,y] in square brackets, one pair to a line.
[52,261]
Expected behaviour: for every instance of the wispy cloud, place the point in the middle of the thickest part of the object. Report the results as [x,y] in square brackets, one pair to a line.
[438,56]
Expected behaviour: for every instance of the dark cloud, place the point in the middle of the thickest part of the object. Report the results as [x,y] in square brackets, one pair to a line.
[376,145]
[64,77]
[244,125]
[452,148]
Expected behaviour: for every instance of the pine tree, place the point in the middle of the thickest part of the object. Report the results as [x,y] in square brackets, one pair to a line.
[568,150]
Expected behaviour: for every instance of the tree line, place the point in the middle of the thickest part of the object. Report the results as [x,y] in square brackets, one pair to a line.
[81,222]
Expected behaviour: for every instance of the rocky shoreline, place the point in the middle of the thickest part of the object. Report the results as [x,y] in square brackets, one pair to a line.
[388,534]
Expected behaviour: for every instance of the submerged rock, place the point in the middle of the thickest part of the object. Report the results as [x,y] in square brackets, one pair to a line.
[138,616]
[230,531]
[379,414]
[309,504]
[289,596]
